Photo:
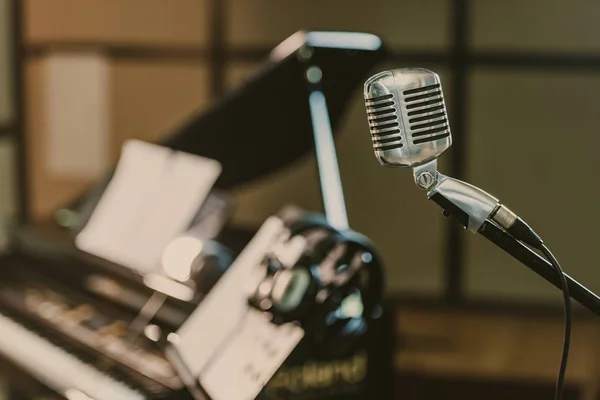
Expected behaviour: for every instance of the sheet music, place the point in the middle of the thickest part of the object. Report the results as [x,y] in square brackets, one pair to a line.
[226,304]
[232,349]
[153,196]
[251,358]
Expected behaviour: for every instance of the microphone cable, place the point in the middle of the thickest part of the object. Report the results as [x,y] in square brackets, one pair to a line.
[524,233]
[560,382]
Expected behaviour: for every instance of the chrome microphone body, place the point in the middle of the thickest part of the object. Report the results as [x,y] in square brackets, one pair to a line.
[409,128]
[407,117]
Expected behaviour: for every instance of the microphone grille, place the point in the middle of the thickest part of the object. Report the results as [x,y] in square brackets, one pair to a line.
[383,122]
[427,119]
[407,116]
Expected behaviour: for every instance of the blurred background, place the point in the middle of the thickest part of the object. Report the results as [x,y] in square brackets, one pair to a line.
[522,83]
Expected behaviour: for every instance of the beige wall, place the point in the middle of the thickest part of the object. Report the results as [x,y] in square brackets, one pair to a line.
[178,23]
[534,25]
[528,130]
[421,24]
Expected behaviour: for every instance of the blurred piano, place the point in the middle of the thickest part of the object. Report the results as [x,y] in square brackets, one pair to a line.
[66,316]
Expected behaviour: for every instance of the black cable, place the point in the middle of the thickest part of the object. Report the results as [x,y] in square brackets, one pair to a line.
[560,382]
[523,232]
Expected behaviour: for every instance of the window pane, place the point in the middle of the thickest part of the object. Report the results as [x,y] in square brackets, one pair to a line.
[533,144]
[548,25]
[406,23]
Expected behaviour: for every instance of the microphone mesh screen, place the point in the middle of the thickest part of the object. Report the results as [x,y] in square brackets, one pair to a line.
[427,113]
[383,123]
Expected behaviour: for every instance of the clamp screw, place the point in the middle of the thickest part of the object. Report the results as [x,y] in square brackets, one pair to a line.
[425,180]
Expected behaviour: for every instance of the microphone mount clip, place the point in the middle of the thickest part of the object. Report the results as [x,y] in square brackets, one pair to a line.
[467,203]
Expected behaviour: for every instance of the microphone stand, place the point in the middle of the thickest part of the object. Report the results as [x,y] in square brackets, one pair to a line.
[474,208]
[329,173]
[539,265]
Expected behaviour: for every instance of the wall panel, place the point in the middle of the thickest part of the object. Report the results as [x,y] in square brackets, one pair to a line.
[409,23]
[533,144]
[130,22]
[536,25]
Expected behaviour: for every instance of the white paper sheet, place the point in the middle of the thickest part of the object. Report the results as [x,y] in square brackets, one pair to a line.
[223,309]
[152,198]
[250,360]
[230,347]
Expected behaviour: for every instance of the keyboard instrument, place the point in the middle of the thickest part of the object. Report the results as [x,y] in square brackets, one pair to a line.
[60,370]
[78,346]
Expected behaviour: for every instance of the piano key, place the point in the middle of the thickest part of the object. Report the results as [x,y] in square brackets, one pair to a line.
[139,363]
[57,368]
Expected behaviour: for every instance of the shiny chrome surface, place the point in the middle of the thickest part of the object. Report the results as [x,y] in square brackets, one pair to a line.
[329,172]
[472,200]
[426,175]
[304,42]
[407,117]
[476,203]
[504,217]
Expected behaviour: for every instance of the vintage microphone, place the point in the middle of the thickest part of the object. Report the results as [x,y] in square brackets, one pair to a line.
[409,128]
